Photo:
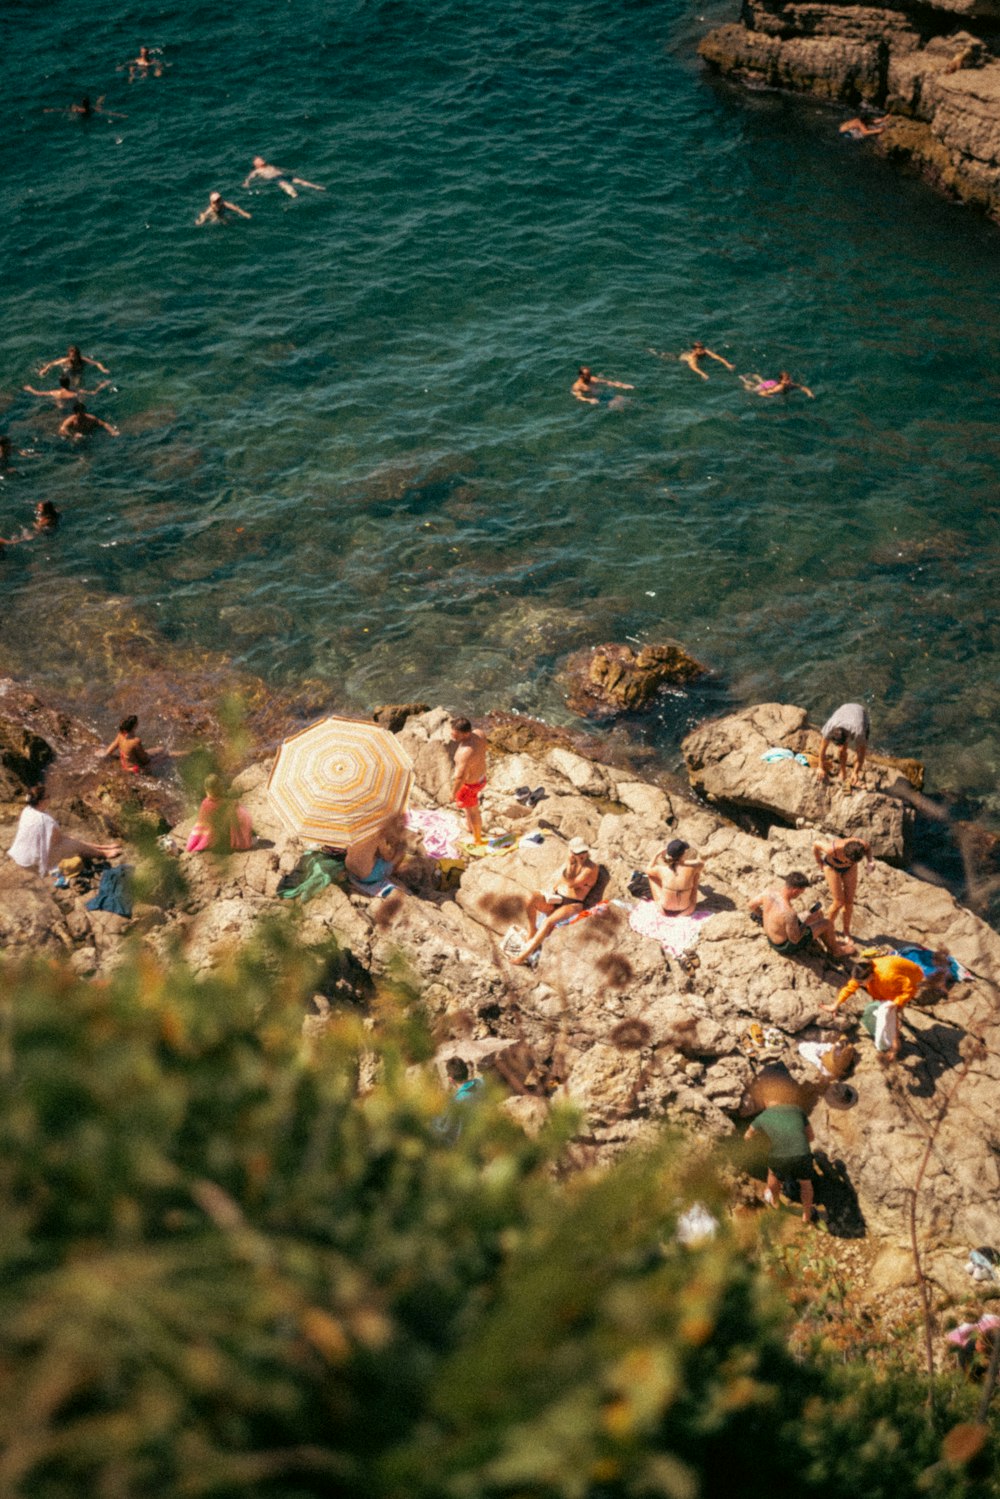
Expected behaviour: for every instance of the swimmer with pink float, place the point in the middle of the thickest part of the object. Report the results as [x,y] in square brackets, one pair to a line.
[758,386]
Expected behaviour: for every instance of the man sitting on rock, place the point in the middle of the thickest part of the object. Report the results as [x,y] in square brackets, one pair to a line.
[577,878]
[787,933]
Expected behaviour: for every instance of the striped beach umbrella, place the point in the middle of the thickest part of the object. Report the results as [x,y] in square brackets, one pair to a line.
[337,781]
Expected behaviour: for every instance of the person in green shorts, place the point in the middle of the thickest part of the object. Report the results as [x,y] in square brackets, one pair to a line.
[788,1133]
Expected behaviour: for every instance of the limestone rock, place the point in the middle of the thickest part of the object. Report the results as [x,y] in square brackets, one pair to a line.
[604,1082]
[392,716]
[427,740]
[939,82]
[610,679]
[725,763]
[530,1113]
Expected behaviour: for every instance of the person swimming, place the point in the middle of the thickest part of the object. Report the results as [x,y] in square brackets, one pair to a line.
[268,173]
[217,209]
[73,363]
[143,66]
[7,451]
[81,423]
[758,386]
[66,390]
[697,352]
[47,518]
[583,387]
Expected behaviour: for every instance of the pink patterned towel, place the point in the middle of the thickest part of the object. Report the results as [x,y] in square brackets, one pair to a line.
[439,830]
[677,934]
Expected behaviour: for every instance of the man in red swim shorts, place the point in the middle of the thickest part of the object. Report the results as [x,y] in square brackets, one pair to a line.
[470,773]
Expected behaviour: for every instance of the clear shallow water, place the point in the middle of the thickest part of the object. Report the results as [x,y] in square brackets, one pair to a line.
[349,450]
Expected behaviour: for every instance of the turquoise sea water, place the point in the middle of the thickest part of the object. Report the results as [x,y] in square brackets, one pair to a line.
[349,449]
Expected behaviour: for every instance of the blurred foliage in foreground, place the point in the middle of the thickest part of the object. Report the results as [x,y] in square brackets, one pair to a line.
[227,1271]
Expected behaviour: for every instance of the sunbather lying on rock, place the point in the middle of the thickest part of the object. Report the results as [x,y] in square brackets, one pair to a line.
[787,932]
[577,878]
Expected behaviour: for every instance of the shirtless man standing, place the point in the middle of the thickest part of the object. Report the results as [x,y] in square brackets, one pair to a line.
[673,878]
[217,209]
[583,386]
[268,173]
[787,933]
[691,356]
[81,422]
[577,878]
[470,773]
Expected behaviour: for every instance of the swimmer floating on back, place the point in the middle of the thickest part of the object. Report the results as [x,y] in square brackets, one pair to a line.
[217,209]
[583,386]
[758,386]
[268,173]
[66,390]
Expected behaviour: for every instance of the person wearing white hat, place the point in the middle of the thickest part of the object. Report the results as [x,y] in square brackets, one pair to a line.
[575,881]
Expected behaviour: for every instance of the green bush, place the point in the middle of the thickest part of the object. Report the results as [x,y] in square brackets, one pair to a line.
[228,1269]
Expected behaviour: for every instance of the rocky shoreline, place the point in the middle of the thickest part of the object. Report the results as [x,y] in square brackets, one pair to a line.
[934,69]
[630,1031]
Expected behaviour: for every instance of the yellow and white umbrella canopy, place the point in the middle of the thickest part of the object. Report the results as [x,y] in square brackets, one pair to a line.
[338,781]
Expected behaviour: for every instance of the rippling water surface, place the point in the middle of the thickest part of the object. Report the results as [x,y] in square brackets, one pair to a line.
[349,449]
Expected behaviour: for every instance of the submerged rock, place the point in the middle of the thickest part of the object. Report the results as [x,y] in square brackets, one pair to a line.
[609,679]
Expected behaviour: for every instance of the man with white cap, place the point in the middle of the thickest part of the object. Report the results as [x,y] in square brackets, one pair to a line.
[575,881]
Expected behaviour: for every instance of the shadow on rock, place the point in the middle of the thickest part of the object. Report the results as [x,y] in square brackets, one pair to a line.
[835,1193]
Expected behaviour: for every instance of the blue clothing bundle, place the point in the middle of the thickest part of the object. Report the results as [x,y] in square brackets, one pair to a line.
[113,893]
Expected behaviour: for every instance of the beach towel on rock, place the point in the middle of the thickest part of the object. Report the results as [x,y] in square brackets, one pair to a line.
[675,934]
[439,831]
[597,910]
[315,871]
[773,756]
[924,958]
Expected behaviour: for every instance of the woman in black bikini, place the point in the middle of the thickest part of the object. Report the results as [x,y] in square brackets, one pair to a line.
[839,862]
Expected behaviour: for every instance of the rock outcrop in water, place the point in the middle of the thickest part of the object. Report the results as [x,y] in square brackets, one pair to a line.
[609,1018]
[605,680]
[932,67]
